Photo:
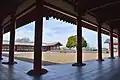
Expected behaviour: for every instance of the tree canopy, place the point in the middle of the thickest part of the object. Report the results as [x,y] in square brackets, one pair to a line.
[72,42]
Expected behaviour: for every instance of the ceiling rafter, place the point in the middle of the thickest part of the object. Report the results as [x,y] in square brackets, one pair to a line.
[102,6]
[113,20]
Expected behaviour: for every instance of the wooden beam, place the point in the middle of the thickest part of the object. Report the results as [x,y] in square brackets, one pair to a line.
[52,7]
[104,5]
[112,20]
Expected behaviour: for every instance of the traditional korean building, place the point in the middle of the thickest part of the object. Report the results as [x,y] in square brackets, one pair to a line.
[29,46]
[102,16]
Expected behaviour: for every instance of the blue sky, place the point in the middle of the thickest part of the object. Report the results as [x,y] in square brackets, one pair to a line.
[56,30]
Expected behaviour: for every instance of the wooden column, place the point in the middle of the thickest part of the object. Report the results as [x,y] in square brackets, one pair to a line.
[99,43]
[37,67]
[111,44]
[12,41]
[119,44]
[79,43]
[1,41]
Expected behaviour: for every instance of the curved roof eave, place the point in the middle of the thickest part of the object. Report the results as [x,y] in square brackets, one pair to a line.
[56,5]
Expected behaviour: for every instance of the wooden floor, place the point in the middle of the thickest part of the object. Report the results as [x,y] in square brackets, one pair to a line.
[94,70]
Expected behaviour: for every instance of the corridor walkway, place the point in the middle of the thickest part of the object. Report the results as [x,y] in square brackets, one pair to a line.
[94,70]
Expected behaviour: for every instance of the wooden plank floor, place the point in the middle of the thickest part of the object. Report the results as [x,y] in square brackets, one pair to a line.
[107,70]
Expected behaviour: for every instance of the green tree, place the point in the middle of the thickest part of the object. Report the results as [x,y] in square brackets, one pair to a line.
[72,42]
[84,42]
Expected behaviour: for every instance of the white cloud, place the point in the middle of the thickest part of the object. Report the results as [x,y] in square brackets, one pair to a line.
[55,30]
[6,36]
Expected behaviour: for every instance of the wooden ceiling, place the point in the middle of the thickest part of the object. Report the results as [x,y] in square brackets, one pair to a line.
[106,11]
[8,7]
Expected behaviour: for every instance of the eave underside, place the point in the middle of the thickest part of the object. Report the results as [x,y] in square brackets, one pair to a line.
[104,11]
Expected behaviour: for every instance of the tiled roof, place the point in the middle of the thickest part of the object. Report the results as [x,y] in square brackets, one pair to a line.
[32,43]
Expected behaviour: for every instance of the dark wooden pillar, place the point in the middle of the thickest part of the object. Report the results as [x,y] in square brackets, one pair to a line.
[119,44]
[1,41]
[111,44]
[37,67]
[12,41]
[99,43]
[79,43]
